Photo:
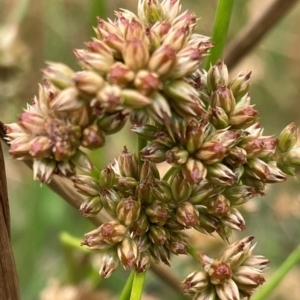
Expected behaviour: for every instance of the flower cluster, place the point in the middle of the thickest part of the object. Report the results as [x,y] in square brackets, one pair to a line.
[145,68]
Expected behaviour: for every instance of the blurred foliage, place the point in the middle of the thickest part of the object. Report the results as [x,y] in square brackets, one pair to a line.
[50,30]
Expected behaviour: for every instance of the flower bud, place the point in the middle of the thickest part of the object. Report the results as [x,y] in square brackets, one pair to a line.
[240,85]
[243,117]
[257,169]
[149,171]
[141,226]
[158,235]
[208,223]
[65,168]
[31,122]
[146,82]
[134,99]
[211,152]
[187,215]
[59,75]
[256,261]
[177,127]
[176,156]
[201,192]
[159,109]
[135,54]
[275,174]
[40,147]
[288,138]
[236,156]
[126,185]
[108,99]
[162,191]
[195,282]
[239,194]
[81,161]
[218,206]
[143,192]
[128,253]
[128,211]
[248,277]
[223,98]
[180,188]
[43,169]
[194,171]
[219,272]
[128,164]
[234,220]
[154,152]
[220,174]
[109,264]
[228,290]
[292,158]
[157,213]
[147,132]
[93,137]
[88,82]
[110,199]
[218,118]
[107,178]
[111,123]
[150,11]
[217,76]
[142,264]
[171,8]
[160,254]
[91,207]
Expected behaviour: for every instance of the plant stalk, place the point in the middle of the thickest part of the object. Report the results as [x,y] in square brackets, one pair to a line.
[125,295]
[137,286]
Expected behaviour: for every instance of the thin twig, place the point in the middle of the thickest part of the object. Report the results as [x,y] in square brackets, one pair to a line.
[63,187]
[250,36]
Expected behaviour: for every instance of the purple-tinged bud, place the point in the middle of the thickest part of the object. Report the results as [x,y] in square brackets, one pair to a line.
[81,161]
[139,117]
[177,244]
[31,122]
[143,193]
[218,118]
[106,27]
[228,138]
[187,215]
[93,61]
[159,109]
[120,75]
[160,254]
[240,85]
[126,185]
[153,38]
[234,220]
[135,54]
[148,171]
[177,127]
[287,138]
[201,192]
[228,290]
[157,213]
[110,199]
[292,158]
[146,82]
[194,171]
[218,206]
[134,99]
[128,253]
[109,263]
[243,117]
[256,261]
[143,243]
[111,123]
[160,29]
[239,194]
[162,191]
[211,152]
[40,147]
[147,132]
[43,169]
[219,273]
[220,174]
[163,60]
[154,152]
[185,98]
[196,282]
[196,132]
[141,226]
[93,137]
[236,253]
[208,223]
[185,20]
[164,138]
[248,277]
[86,185]
[176,38]
[223,98]
[180,188]
[171,8]
[236,157]
[142,264]
[112,232]
[128,211]
[134,29]
[158,235]
[88,82]
[257,169]
[128,164]
[115,42]
[217,76]
[107,178]
[91,207]
[176,156]
[99,47]
[59,75]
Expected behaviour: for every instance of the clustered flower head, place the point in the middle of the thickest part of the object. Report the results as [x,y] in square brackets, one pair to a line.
[145,68]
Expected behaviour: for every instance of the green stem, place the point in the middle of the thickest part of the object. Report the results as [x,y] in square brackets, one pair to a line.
[170,172]
[125,295]
[220,29]
[137,286]
[271,284]
[68,240]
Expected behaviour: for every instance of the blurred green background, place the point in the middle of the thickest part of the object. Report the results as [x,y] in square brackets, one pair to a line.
[50,30]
